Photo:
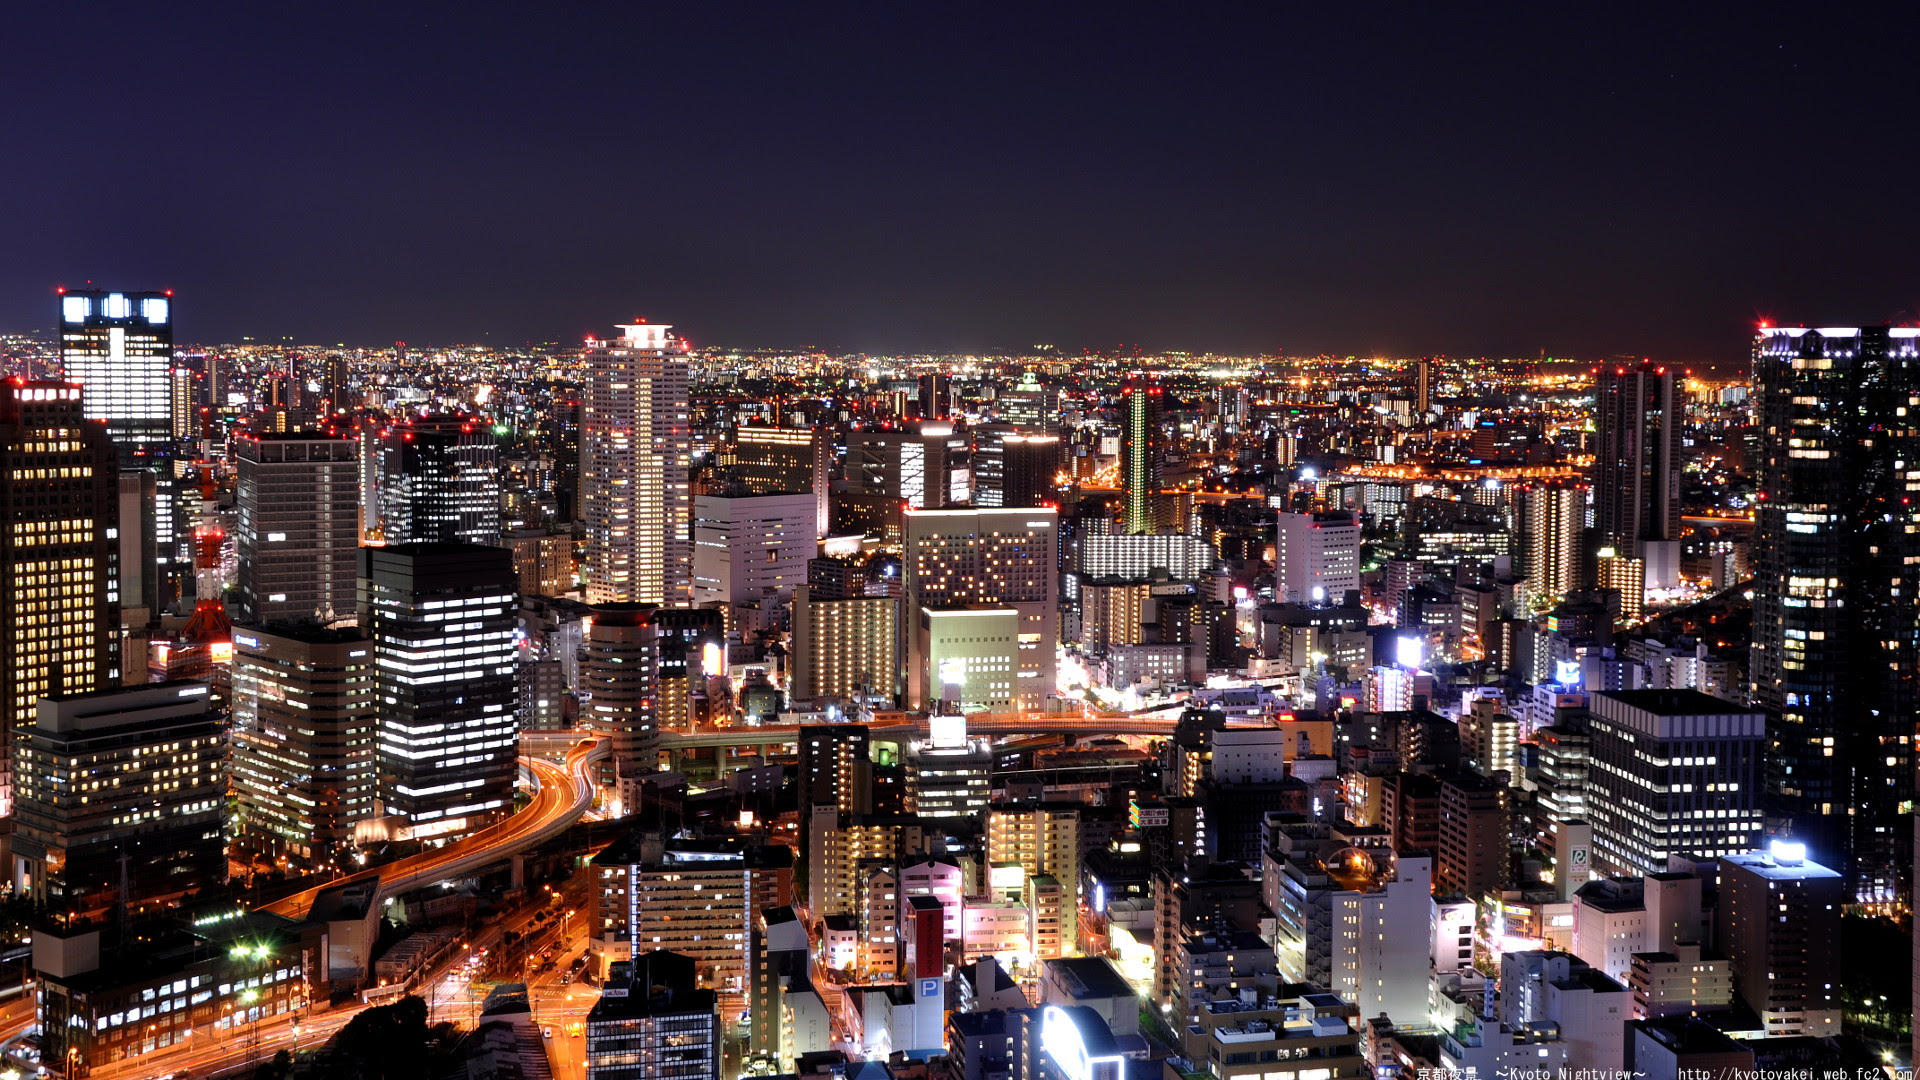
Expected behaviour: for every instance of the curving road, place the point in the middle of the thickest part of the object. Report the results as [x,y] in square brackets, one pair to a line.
[562,795]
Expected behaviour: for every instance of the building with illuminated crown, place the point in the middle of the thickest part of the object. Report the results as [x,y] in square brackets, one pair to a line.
[119,345]
[635,500]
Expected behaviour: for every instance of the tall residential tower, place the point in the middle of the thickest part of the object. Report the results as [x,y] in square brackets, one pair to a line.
[635,499]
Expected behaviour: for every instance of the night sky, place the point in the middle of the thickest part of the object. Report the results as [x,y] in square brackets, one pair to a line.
[948,177]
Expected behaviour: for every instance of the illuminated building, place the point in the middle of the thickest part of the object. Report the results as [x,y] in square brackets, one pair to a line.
[1136,555]
[927,469]
[1242,1040]
[965,658]
[783,461]
[1142,446]
[1673,772]
[1626,576]
[1836,602]
[59,555]
[1030,407]
[1005,559]
[834,767]
[651,1022]
[686,896]
[1553,520]
[747,547]
[1011,469]
[440,481]
[303,742]
[1778,921]
[442,618]
[1359,922]
[1317,558]
[635,502]
[1636,468]
[298,528]
[1041,839]
[542,559]
[619,687]
[948,778]
[119,346]
[844,650]
[693,649]
[119,800]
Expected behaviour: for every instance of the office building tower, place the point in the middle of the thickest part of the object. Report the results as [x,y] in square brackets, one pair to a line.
[59,555]
[1012,469]
[1553,520]
[1031,408]
[440,481]
[634,452]
[948,777]
[1673,772]
[748,547]
[1142,446]
[119,347]
[303,743]
[1836,610]
[652,1022]
[845,650]
[297,497]
[936,396]
[442,618]
[965,659]
[618,687]
[1636,467]
[1778,921]
[1317,559]
[928,468]
[961,559]
[783,461]
[119,799]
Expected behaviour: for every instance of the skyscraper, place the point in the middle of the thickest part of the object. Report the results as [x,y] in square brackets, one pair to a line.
[845,649]
[926,469]
[635,500]
[119,346]
[1673,772]
[783,461]
[1636,467]
[1836,603]
[961,559]
[442,618]
[303,742]
[1553,519]
[1032,408]
[148,833]
[1317,557]
[748,546]
[1141,449]
[440,481]
[619,675]
[59,557]
[298,528]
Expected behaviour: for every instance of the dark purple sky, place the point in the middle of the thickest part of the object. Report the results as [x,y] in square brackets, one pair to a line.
[922,176]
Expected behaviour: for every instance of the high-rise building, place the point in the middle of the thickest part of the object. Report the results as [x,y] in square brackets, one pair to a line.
[783,461]
[619,677]
[1553,520]
[120,799]
[927,469]
[1012,469]
[442,618]
[1029,406]
[303,742]
[1317,559]
[834,767]
[1042,839]
[59,555]
[936,396]
[1636,466]
[958,559]
[750,546]
[440,481]
[634,453]
[683,895]
[119,346]
[845,650]
[1142,446]
[652,1021]
[1673,772]
[1778,921]
[1836,607]
[298,527]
